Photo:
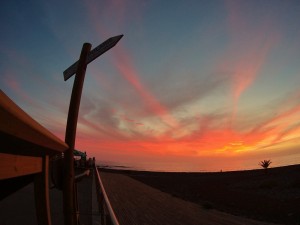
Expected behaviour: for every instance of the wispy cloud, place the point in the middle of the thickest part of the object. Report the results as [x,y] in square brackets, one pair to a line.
[248,51]
[128,72]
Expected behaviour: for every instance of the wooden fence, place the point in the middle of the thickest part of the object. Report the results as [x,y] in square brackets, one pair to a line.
[108,216]
[26,147]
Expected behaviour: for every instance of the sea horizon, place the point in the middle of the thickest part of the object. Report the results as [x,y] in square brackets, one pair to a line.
[165,168]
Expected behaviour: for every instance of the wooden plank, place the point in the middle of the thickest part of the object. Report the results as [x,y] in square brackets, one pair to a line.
[17,165]
[41,194]
[17,127]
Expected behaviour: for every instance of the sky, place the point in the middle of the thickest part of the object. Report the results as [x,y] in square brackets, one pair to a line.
[204,85]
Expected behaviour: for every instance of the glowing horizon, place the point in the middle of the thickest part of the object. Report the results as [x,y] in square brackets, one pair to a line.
[190,87]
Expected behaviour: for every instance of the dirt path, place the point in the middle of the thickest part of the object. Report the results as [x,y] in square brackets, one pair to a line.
[137,203]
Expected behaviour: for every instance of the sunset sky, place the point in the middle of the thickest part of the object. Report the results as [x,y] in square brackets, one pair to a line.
[192,85]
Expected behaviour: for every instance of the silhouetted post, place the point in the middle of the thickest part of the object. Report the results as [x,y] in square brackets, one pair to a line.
[79,67]
[68,184]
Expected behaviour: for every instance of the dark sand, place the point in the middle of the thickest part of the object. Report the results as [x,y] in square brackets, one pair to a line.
[136,203]
[271,197]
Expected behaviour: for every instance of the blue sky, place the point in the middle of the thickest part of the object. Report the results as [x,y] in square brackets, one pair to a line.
[190,83]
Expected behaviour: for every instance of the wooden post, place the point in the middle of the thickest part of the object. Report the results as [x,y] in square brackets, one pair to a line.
[68,182]
[41,192]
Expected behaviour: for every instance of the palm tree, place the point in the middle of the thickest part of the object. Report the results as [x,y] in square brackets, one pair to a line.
[265,164]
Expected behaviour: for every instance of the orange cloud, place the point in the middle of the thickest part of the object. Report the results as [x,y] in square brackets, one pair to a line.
[124,134]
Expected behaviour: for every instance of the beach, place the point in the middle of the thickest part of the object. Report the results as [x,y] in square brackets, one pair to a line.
[268,196]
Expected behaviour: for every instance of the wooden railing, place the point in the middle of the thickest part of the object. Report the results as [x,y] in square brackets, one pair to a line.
[107,213]
[26,147]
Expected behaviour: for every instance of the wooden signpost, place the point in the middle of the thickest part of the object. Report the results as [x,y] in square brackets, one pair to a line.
[92,55]
[79,67]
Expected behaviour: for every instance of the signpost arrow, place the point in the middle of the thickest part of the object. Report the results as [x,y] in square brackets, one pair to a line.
[96,52]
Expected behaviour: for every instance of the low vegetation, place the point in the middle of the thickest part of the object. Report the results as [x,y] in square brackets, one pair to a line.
[265,164]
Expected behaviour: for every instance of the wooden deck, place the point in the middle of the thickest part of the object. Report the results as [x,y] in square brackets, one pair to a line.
[135,203]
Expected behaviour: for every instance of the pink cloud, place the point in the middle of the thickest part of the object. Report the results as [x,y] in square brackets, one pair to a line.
[251,44]
[249,50]
[15,86]
[125,66]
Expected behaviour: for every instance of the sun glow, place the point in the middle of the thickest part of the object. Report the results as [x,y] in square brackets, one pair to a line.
[178,89]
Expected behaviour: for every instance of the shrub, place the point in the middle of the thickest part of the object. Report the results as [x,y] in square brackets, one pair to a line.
[265,164]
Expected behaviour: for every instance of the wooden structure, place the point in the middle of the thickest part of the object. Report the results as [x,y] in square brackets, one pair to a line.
[24,156]
[69,187]
[27,146]
[108,215]
[70,202]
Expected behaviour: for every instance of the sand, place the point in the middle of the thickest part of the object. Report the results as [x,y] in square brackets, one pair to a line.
[272,196]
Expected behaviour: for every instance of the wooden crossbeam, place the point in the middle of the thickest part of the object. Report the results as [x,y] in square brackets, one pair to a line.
[16,165]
